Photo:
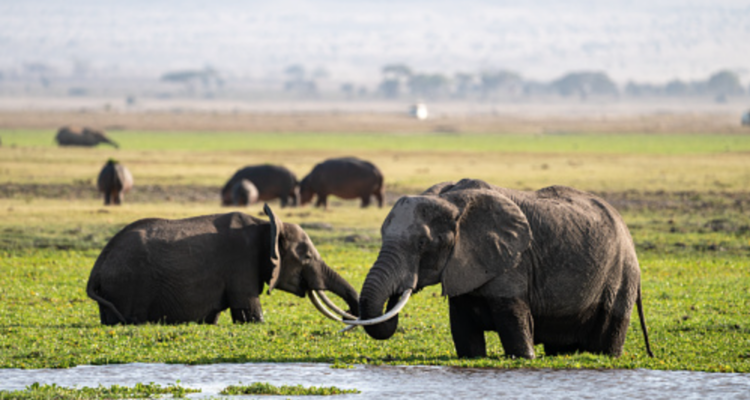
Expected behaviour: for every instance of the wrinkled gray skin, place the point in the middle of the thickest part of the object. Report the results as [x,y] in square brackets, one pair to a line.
[114,181]
[347,178]
[244,193]
[190,270]
[272,181]
[555,267]
[87,137]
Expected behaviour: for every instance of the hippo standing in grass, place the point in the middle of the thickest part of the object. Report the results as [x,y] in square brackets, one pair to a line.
[271,181]
[87,137]
[347,178]
[114,180]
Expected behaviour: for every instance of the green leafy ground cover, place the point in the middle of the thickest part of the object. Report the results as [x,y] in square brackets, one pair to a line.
[688,210]
[38,391]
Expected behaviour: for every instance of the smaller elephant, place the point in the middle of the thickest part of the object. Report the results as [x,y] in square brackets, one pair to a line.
[348,178]
[271,182]
[114,181]
[244,193]
[190,270]
[86,137]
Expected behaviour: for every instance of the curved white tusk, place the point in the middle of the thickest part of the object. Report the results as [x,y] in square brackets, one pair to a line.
[323,310]
[385,317]
[333,306]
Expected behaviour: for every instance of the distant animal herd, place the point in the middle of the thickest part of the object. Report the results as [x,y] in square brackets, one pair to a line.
[555,267]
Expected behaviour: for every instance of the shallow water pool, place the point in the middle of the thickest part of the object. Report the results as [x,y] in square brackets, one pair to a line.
[404,382]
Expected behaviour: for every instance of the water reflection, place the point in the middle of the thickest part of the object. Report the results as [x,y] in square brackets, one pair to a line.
[417,382]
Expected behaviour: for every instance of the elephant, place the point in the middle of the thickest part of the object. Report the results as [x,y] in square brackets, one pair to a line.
[114,181]
[555,267]
[190,270]
[348,178]
[87,137]
[244,193]
[271,181]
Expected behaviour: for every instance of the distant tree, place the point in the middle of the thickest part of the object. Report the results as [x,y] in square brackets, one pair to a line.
[208,79]
[41,71]
[465,84]
[643,89]
[501,81]
[584,84]
[394,77]
[298,83]
[428,85]
[347,89]
[677,87]
[726,83]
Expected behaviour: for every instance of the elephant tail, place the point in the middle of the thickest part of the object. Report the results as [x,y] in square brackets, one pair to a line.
[639,304]
[93,286]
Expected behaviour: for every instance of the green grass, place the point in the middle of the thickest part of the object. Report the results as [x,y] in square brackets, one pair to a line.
[37,391]
[260,388]
[512,143]
[686,204]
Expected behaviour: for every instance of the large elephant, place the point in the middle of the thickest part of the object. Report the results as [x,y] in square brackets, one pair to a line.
[348,178]
[190,270]
[272,181]
[555,267]
[114,181]
[69,136]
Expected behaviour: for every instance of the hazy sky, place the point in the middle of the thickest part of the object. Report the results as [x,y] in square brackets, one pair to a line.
[642,40]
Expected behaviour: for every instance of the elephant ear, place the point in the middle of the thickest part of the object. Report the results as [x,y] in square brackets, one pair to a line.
[276,228]
[491,234]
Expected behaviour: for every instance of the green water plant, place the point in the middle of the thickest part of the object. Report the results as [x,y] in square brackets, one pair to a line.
[37,391]
[263,388]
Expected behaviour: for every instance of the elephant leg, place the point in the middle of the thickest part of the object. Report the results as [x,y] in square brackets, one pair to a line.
[212,318]
[118,197]
[514,325]
[610,327]
[107,198]
[468,335]
[284,201]
[252,313]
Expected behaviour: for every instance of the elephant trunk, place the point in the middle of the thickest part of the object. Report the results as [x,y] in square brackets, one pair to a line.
[330,280]
[387,280]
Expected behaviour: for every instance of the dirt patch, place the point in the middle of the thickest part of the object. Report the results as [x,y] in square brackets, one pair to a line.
[139,194]
[627,201]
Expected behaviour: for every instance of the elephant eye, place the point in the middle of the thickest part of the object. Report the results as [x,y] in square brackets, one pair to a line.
[423,243]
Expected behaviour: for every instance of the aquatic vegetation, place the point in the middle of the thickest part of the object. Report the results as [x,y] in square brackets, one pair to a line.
[38,391]
[261,388]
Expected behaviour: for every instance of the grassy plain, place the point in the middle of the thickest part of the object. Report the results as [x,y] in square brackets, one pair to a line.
[685,198]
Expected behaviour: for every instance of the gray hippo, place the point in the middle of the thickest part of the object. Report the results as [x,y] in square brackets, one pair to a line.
[271,181]
[347,178]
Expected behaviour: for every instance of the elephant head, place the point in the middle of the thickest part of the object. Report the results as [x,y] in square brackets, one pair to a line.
[461,239]
[297,268]
[94,136]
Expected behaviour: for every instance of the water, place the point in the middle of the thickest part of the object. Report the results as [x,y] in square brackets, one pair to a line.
[405,382]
